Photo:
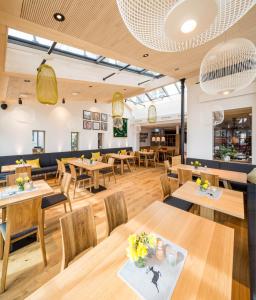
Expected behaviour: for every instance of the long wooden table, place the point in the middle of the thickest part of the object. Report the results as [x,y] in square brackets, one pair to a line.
[123,159]
[207,272]
[224,175]
[41,189]
[230,202]
[12,168]
[145,154]
[94,168]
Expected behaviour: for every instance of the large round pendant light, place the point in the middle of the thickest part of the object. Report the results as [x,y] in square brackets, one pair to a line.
[177,25]
[152,117]
[117,109]
[46,85]
[228,67]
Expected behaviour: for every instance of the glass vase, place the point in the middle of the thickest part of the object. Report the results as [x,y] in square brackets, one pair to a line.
[140,263]
[21,188]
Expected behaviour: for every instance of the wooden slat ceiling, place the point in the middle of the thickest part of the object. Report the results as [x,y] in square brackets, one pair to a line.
[88,91]
[96,26]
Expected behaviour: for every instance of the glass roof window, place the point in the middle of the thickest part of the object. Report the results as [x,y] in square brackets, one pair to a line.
[171,89]
[151,73]
[91,55]
[114,62]
[134,68]
[155,94]
[43,41]
[70,49]
[21,35]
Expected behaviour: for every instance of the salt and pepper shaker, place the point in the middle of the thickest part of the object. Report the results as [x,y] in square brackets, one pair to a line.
[171,256]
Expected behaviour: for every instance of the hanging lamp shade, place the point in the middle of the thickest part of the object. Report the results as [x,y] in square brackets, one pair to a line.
[117,105]
[228,67]
[177,25]
[46,85]
[152,114]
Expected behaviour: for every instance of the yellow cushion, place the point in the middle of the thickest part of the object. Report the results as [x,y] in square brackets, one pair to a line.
[66,159]
[95,155]
[251,177]
[34,163]
[123,152]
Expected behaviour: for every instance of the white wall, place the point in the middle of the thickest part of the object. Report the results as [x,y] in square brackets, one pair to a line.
[18,121]
[199,116]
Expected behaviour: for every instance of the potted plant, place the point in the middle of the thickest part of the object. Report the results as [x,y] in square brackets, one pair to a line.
[139,247]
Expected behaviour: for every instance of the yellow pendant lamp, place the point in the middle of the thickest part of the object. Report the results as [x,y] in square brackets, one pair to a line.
[152,114]
[46,85]
[118,109]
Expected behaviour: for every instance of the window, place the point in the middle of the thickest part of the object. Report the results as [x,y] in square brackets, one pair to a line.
[158,93]
[74,141]
[38,141]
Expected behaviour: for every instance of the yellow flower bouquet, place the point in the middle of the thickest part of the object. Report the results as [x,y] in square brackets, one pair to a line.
[20,181]
[204,185]
[196,164]
[20,162]
[139,247]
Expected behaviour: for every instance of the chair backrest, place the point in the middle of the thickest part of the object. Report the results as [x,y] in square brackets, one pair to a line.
[213,179]
[116,210]
[11,179]
[73,171]
[100,158]
[184,175]
[169,185]
[24,169]
[176,160]
[65,183]
[167,165]
[23,215]
[78,233]
[111,161]
[58,165]
[62,167]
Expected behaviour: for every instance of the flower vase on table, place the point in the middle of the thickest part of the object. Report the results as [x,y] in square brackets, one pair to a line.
[196,164]
[203,185]
[20,181]
[140,246]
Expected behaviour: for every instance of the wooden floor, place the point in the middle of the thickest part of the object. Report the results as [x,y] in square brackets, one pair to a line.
[141,187]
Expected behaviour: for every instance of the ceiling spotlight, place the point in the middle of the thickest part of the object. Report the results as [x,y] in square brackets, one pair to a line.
[90,86]
[27,80]
[145,55]
[125,89]
[226,93]
[188,26]
[75,93]
[20,101]
[59,17]
[63,101]
[176,69]
[95,100]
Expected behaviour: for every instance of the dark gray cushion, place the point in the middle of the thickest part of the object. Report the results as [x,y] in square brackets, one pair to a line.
[173,175]
[17,235]
[53,199]
[106,171]
[176,202]
[83,177]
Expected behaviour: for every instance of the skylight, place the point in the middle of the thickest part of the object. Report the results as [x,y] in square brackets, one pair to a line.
[158,93]
[29,40]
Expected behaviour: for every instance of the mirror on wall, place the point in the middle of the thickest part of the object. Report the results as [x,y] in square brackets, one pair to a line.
[232,137]
[74,141]
[38,141]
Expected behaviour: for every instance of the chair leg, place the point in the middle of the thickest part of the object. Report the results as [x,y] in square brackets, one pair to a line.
[90,183]
[114,175]
[104,180]
[41,237]
[1,246]
[70,206]
[74,190]
[65,207]
[5,264]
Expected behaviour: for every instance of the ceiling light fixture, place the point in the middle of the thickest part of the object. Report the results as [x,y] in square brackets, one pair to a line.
[95,100]
[20,101]
[188,26]
[63,101]
[75,93]
[90,86]
[27,80]
[145,55]
[157,24]
[59,17]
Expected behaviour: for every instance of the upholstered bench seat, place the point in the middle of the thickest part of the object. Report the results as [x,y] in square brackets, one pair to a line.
[52,200]
[178,203]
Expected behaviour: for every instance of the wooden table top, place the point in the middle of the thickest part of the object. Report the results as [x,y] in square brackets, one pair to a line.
[230,202]
[122,156]
[12,168]
[42,189]
[207,272]
[90,167]
[146,153]
[223,174]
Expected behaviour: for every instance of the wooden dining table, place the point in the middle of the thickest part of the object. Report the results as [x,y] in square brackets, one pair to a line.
[146,154]
[207,272]
[95,168]
[229,202]
[12,168]
[225,175]
[123,158]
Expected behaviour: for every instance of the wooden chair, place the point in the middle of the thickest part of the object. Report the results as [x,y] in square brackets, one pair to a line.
[152,159]
[78,233]
[59,198]
[167,167]
[77,179]
[184,175]
[133,160]
[213,179]
[116,210]
[23,219]
[169,185]
[11,179]
[176,160]
[24,169]
[59,170]
[109,171]
[142,159]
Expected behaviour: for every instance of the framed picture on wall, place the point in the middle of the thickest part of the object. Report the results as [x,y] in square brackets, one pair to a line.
[96,125]
[96,116]
[87,125]
[104,117]
[121,132]
[104,126]
[87,115]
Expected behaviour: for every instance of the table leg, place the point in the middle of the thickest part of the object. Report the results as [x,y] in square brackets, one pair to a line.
[146,161]
[207,213]
[128,165]
[96,179]
[227,184]
[122,166]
